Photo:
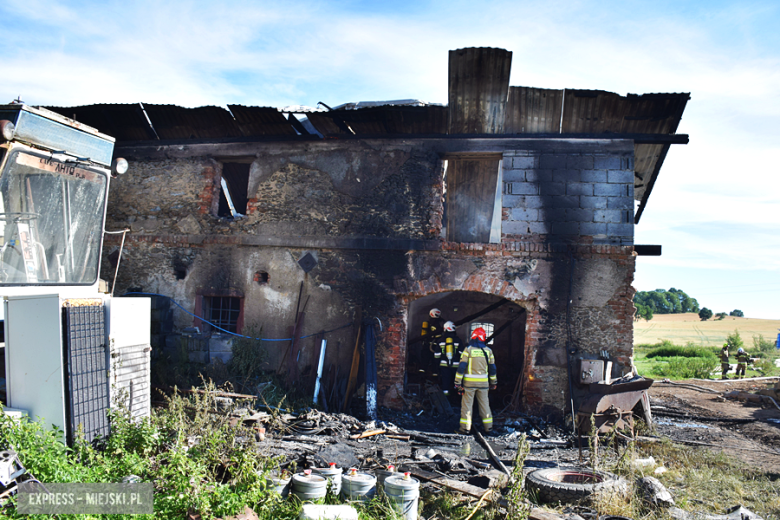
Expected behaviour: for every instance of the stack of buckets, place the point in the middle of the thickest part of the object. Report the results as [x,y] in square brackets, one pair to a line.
[402,491]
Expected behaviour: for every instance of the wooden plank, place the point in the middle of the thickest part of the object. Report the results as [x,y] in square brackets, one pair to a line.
[471,194]
[491,453]
[353,371]
[456,485]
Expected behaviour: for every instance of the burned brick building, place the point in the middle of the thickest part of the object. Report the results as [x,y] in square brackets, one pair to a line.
[512,207]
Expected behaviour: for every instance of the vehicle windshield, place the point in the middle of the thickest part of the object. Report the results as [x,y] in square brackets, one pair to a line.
[51,221]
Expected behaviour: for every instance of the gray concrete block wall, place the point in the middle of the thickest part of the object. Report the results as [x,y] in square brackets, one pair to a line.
[565,195]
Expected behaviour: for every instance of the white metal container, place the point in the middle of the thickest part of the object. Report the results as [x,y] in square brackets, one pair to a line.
[306,486]
[358,486]
[403,492]
[333,474]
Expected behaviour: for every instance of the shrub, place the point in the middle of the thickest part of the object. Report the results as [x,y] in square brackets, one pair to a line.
[763,345]
[248,355]
[686,368]
[735,340]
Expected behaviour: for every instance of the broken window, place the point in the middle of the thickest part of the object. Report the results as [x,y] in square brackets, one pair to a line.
[488,329]
[233,196]
[224,312]
[473,199]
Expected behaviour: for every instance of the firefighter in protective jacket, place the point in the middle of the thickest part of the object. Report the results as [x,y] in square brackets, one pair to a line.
[742,361]
[724,360]
[448,354]
[432,329]
[476,375]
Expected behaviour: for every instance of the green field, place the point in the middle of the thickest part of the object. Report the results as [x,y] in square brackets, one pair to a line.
[674,332]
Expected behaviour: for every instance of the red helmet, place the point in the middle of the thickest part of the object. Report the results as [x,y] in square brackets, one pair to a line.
[479,333]
[435,313]
[449,326]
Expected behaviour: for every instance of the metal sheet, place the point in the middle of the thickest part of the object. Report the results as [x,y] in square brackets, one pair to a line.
[597,111]
[124,122]
[209,122]
[383,120]
[33,358]
[478,90]
[129,332]
[33,128]
[533,111]
[256,121]
[129,321]
[87,357]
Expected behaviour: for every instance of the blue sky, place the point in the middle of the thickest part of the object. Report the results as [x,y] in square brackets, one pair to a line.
[716,205]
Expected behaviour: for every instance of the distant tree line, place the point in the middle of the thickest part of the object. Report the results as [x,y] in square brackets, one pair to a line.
[661,301]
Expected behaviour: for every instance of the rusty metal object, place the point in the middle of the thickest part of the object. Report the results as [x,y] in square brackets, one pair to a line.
[611,406]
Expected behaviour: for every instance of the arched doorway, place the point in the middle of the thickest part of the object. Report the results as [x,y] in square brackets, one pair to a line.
[467,309]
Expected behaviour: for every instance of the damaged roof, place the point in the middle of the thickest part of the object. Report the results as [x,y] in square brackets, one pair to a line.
[531,112]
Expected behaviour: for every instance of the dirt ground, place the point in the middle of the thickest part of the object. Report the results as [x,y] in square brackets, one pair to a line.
[743,430]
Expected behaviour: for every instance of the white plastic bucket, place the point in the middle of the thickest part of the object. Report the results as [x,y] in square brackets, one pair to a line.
[306,486]
[280,485]
[382,474]
[334,475]
[403,494]
[358,486]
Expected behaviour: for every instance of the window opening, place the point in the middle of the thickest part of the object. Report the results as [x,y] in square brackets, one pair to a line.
[223,311]
[233,196]
[488,329]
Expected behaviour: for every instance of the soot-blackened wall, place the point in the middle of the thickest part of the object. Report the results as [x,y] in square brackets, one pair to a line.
[370,212]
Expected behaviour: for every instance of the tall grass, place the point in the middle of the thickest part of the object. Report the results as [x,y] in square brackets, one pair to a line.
[668,349]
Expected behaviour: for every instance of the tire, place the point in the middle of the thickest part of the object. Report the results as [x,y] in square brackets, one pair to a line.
[570,484]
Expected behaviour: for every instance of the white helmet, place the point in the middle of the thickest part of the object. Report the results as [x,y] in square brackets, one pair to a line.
[435,313]
[741,350]
[449,326]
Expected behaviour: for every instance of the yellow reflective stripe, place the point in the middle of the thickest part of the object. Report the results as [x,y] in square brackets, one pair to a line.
[489,420]
[475,377]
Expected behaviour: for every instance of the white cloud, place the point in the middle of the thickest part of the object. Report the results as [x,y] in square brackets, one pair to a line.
[281,53]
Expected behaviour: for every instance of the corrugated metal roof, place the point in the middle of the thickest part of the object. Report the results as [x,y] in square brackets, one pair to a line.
[596,111]
[478,89]
[175,122]
[533,111]
[384,120]
[124,122]
[256,121]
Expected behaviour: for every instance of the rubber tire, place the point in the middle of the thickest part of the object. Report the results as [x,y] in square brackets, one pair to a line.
[549,485]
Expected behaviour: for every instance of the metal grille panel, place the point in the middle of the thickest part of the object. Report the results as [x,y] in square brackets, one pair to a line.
[87,371]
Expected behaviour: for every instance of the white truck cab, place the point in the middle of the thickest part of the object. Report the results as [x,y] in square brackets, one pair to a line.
[69,350]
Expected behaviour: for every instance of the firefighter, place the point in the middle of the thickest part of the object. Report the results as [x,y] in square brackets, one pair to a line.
[742,360]
[724,361]
[476,375]
[432,328]
[448,354]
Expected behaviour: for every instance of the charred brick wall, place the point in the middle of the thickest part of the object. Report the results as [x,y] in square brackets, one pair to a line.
[371,216]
